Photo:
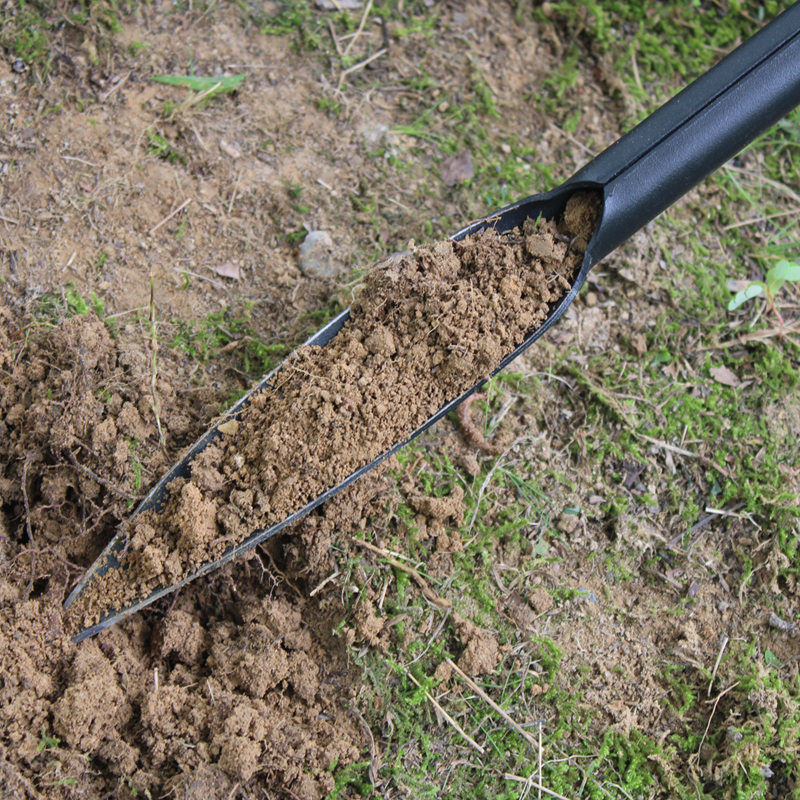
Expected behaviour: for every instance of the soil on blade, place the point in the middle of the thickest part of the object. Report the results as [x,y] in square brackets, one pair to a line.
[422,331]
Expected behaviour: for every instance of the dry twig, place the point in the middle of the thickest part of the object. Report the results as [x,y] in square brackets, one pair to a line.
[421,582]
[154,364]
[447,716]
[170,216]
[357,34]
[102,481]
[488,700]
[359,66]
[534,785]
[28,525]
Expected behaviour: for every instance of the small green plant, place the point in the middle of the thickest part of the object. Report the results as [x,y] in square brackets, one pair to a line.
[210,86]
[76,304]
[160,147]
[329,104]
[136,468]
[773,282]
[47,742]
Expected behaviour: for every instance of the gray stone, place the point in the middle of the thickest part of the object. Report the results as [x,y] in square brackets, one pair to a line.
[782,625]
[316,256]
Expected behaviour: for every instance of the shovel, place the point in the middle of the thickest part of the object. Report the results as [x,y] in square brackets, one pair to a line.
[638,176]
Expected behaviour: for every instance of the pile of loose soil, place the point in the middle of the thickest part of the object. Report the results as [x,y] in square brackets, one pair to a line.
[77,407]
[422,331]
[78,441]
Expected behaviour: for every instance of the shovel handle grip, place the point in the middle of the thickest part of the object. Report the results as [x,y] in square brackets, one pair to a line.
[693,134]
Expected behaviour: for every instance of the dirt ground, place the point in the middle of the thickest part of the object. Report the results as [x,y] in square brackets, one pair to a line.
[245,684]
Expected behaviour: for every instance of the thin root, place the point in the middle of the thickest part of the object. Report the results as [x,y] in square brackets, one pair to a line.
[471,431]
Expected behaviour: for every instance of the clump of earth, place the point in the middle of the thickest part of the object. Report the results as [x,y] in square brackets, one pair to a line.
[278,690]
[422,330]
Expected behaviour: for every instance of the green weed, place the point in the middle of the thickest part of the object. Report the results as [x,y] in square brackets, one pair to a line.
[29,29]
[203,339]
[208,86]
[353,776]
[25,33]
[671,39]
[162,148]
[52,307]
[330,105]
[47,742]
[773,282]
[76,305]
[299,21]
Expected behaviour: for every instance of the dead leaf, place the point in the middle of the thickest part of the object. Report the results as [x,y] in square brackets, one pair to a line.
[724,375]
[633,470]
[639,344]
[457,168]
[227,270]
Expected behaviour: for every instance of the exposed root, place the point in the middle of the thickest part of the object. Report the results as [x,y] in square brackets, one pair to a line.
[471,431]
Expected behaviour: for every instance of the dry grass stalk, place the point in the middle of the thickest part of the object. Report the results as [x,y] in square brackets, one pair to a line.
[488,700]
[449,719]
[421,582]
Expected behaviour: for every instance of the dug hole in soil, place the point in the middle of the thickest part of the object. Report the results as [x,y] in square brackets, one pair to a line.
[239,677]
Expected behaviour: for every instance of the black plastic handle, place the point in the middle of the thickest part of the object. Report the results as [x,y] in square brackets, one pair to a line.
[696,132]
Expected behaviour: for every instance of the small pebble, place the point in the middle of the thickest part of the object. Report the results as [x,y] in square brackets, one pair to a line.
[586,594]
[375,134]
[229,149]
[316,256]
[776,622]
[591,299]
[229,428]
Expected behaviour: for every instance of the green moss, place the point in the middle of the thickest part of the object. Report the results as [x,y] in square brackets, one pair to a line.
[203,339]
[28,29]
